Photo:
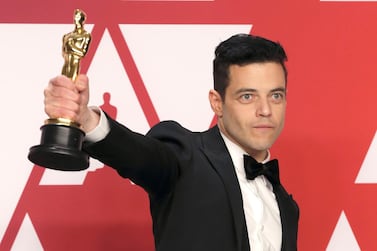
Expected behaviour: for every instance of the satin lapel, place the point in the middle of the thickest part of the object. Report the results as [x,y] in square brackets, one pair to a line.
[289,218]
[215,150]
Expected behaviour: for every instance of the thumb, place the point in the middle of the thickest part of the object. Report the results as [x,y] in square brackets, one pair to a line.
[82,83]
[82,86]
[85,114]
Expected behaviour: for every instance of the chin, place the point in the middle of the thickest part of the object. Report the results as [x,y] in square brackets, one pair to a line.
[262,147]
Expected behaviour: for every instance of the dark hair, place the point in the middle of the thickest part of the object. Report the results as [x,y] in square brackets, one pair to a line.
[242,49]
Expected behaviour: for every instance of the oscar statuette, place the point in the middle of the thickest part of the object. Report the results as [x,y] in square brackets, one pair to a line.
[61,138]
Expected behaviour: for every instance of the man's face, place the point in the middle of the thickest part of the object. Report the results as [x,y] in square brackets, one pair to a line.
[252,114]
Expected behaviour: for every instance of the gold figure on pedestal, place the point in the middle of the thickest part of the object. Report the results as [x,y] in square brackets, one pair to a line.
[75,46]
[62,138]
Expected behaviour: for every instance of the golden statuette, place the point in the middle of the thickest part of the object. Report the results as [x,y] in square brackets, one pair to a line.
[62,139]
[75,46]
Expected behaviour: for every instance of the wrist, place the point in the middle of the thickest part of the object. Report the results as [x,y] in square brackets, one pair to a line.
[91,120]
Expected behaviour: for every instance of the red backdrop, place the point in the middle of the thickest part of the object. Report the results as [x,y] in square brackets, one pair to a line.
[327,152]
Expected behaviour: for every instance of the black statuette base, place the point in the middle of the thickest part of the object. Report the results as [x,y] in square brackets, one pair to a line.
[60,149]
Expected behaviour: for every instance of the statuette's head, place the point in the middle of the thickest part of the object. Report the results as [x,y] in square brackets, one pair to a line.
[79,17]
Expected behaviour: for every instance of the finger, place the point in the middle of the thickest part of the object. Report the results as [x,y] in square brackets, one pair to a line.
[61,108]
[63,81]
[53,91]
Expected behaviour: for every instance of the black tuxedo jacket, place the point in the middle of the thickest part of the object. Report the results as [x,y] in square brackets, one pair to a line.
[195,198]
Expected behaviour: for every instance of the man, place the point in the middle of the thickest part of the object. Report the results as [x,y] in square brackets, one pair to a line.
[201,197]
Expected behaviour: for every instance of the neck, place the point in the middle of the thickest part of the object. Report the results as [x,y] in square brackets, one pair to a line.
[258,155]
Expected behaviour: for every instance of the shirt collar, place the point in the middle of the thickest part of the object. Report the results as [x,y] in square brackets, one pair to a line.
[236,154]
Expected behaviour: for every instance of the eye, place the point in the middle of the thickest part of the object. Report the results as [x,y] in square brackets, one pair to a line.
[246,98]
[278,96]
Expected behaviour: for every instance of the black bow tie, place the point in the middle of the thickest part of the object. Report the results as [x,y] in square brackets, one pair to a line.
[270,169]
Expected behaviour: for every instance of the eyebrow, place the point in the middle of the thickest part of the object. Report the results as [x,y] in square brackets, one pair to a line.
[279,89]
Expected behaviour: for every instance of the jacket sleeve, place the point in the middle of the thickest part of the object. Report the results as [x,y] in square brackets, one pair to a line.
[150,160]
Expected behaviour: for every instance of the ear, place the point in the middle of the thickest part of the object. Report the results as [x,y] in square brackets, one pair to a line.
[216,102]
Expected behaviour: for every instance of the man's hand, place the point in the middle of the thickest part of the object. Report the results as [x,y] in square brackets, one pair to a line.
[66,99]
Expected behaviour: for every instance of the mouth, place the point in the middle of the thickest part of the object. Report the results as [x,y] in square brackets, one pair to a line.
[264,129]
[264,126]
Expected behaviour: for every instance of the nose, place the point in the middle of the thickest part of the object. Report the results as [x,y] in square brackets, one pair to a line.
[263,107]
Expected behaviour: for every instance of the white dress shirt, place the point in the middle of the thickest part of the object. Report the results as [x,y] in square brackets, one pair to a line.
[102,129]
[259,202]
[260,206]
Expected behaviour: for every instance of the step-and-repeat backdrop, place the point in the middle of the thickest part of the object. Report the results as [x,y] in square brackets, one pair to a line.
[151,61]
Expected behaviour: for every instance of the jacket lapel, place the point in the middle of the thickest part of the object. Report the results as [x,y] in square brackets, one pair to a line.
[289,213]
[215,150]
